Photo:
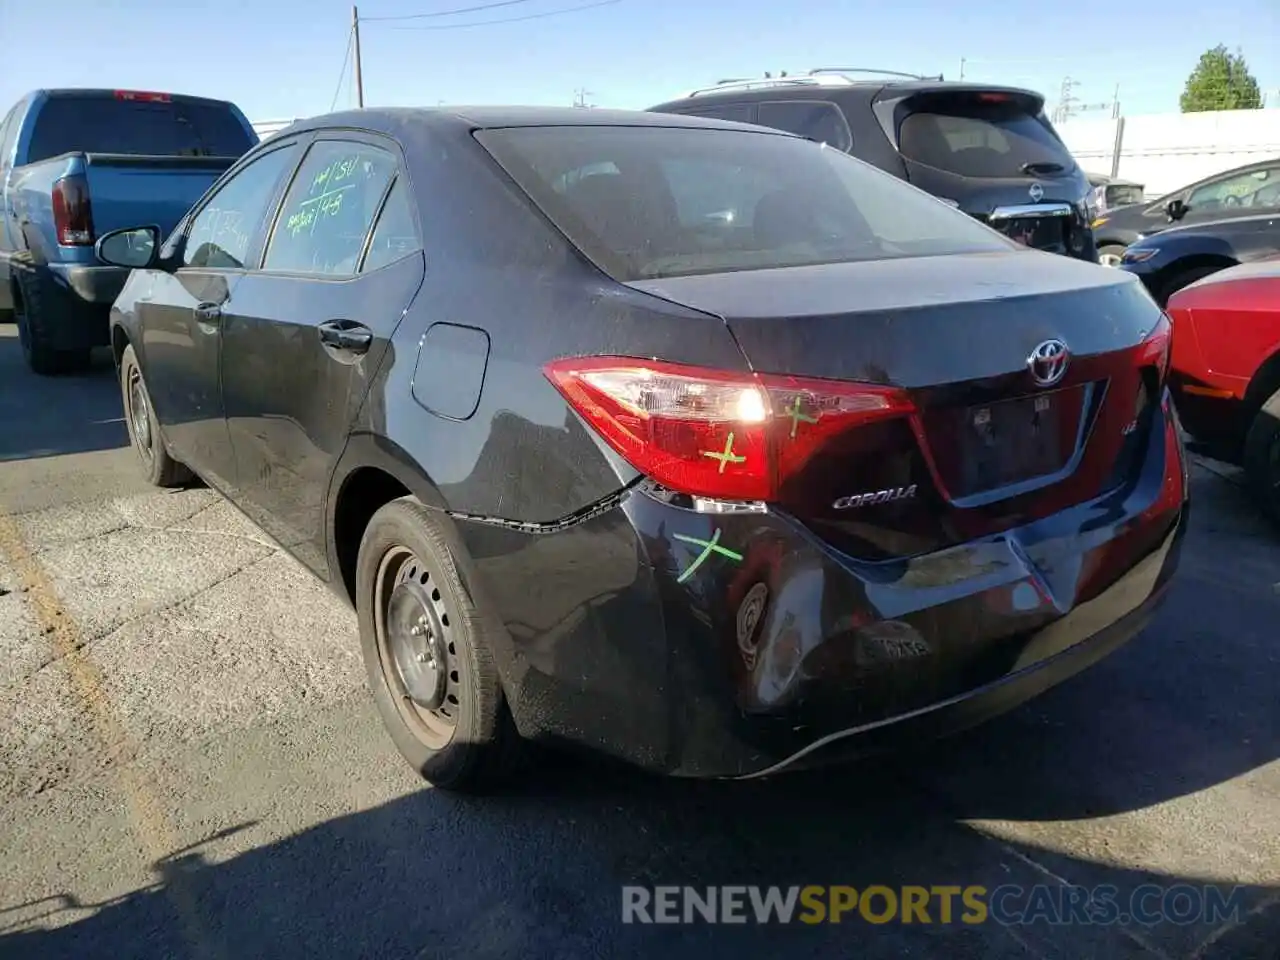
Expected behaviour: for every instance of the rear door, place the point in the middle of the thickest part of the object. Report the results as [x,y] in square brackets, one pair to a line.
[999,158]
[307,331]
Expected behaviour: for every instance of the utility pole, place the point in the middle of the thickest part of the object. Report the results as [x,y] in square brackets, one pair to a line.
[355,35]
[962,68]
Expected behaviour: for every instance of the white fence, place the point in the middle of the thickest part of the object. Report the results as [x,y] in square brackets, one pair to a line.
[1165,151]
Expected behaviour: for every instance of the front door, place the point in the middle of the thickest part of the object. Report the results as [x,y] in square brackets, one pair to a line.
[305,334]
[182,314]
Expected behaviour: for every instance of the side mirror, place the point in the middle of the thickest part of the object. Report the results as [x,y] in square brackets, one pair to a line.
[1176,209]
[134,247]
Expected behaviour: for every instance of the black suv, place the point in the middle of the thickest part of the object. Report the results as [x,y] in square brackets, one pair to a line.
[988,150]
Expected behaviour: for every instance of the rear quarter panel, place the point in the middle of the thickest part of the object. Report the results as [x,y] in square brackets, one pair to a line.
[30,201]
[495,265]
[1228,330]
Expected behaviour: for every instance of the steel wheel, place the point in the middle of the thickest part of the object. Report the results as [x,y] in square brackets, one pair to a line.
[139,414]
[416,647]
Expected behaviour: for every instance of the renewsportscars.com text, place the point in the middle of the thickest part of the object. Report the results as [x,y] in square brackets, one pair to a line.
[1008,904]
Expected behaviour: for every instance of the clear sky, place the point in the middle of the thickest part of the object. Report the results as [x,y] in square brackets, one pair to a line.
[283,58]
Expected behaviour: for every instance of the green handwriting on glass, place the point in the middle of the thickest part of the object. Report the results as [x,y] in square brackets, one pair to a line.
[314,209]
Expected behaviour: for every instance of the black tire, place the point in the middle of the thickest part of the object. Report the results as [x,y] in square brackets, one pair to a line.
[145,435]
[460,738]
[32,315]
[1262,458]
[1110,250]
[1185,279]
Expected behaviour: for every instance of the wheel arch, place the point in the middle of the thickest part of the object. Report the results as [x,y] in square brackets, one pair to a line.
[372,472]
[1265,382]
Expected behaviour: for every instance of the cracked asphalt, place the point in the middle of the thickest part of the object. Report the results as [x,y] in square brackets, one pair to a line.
[190,767]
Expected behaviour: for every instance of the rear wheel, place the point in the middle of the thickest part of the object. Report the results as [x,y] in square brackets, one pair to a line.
[1186,278]
[1109,254]
[1262,457]
[32,315]
[428,661]
[160,469]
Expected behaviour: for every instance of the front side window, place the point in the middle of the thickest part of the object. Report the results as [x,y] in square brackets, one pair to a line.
[330,206]
[815,120]
[680,201]
[1252,189]
[222,232]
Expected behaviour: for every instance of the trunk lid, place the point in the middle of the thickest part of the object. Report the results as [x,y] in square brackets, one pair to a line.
[989,446]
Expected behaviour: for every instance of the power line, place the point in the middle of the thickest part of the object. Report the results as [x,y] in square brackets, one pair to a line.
[532,16]
[447,13]
[342,74]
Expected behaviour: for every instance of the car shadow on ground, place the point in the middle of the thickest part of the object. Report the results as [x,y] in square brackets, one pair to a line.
[539,870]
[428,875]
[52,416]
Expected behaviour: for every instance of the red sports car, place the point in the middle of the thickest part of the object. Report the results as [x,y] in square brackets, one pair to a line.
[1226,368]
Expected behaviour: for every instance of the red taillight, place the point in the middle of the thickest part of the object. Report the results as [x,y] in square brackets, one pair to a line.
[710,433]
[72,215]
[146,96]
[994,98]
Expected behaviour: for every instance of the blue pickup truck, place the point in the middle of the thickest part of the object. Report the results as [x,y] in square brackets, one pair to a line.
[75,164]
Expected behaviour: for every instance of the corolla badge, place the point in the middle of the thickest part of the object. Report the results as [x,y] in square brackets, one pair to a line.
[1048,362]
[871,497]
[1037,193]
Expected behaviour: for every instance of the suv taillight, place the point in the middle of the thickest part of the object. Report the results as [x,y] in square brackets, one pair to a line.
[72,215]
[717,434]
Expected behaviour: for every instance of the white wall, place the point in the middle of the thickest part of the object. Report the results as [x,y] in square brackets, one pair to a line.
[1166,151]
[265,128]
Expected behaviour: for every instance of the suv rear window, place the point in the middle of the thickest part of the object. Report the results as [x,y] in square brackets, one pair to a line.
[103,124]
[973,138]
[645,202]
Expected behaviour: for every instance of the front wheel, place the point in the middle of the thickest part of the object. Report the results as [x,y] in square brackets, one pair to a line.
[1262,457]
[1109,254]
[1186,278]
[160,469]
[426,655]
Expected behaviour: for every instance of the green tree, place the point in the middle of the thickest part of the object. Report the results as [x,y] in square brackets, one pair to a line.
[1221,81]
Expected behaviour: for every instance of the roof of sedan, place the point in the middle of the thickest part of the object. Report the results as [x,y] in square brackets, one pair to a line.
[391,119]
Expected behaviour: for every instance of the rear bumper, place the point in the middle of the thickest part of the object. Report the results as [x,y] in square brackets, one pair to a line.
[77,302]
[94,285]
[739,645]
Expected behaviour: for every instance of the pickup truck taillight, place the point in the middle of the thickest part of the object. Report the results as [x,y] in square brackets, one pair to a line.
[72,215]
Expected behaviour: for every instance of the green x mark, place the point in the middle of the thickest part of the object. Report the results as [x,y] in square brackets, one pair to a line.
[708,547]
[797,417]
[727,456]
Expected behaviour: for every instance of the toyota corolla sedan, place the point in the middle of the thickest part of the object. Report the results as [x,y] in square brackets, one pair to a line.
[694,443]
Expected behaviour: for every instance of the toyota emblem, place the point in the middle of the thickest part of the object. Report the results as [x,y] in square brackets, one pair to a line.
[1037,193]
[1048,362]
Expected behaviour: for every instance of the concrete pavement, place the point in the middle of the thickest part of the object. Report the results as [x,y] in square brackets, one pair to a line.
[190,767]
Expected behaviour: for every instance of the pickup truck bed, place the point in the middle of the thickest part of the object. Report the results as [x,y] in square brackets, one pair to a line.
[55,205]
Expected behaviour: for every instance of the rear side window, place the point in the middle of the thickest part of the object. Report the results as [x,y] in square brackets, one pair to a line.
[680,201]
[395,236]
[737,112]
[104,124]
[329,208]
[815,120]
[973,138]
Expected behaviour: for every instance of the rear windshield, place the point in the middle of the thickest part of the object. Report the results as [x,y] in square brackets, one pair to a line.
[1119,195]
[106,125]
[645,202]
[970,138]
